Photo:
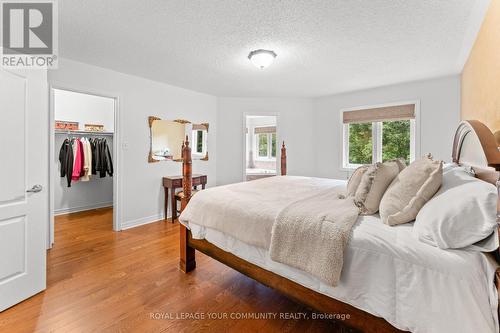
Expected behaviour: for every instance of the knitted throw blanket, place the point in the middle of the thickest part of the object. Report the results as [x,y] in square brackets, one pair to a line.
[311,234]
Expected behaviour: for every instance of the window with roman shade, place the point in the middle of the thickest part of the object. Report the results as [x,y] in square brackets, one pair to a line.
[377,134]
[387,113]
[265,139]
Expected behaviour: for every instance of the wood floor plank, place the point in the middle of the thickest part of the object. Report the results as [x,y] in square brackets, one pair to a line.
[104,281]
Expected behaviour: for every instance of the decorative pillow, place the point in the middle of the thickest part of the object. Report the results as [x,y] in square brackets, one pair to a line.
[462,212]
[373,184]
[355,179]
[410,190]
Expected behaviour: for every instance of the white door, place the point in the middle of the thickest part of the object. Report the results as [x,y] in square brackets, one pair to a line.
[24,162]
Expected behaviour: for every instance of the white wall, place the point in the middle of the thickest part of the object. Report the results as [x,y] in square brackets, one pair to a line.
[295,126]
[439,117]
[84,109]
[141,188]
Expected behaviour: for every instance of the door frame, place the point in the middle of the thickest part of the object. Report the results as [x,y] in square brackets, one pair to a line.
[244,143]
[117,156]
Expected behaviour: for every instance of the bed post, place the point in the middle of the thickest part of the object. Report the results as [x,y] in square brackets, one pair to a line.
[187,255]
[283,159]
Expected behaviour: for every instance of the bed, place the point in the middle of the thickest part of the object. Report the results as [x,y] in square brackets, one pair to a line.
[390,281]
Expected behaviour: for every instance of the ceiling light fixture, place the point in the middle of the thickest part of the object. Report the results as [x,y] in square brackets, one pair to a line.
[262,58]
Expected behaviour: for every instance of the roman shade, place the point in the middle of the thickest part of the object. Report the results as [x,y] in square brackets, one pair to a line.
[199,127]
[387,113]
[267,129]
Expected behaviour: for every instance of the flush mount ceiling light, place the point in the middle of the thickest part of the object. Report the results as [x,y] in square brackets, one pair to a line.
[262,58]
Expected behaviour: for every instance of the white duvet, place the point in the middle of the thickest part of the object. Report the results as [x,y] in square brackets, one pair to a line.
[386,272]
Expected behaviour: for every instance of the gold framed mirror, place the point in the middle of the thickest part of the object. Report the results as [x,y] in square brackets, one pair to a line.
[166,137]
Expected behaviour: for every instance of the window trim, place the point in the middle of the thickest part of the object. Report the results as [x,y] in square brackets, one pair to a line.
[377,135]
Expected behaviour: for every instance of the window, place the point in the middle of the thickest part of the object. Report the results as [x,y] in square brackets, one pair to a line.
[262,140]
[379,134]
[360,143]
[199,139]
[273,145]
[396,140]
[266,143]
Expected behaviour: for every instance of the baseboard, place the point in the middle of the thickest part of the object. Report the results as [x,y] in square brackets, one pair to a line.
[142,221]
[69,210]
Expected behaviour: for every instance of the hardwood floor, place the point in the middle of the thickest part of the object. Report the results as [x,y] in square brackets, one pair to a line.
[104,281]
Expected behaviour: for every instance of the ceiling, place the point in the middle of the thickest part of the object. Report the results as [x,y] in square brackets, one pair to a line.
[323,46]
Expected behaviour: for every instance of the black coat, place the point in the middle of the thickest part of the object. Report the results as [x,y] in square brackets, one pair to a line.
[66,160]
[103,159]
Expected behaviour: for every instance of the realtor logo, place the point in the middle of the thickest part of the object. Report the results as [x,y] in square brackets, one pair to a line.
[29,33]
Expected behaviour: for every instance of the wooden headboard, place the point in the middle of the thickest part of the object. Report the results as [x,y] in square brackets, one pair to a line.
[475,146]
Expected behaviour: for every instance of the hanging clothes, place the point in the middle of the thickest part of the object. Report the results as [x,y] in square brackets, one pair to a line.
[78,165]
[93,170]
[87,160]
[104,161]
[66,160]
[80,158]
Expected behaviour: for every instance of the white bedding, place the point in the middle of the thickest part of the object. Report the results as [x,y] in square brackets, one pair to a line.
[389,273]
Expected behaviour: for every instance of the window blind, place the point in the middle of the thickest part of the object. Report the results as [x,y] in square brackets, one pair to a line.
[387,113]
[267,129]
[199,127]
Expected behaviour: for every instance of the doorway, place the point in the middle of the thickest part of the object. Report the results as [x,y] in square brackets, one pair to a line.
[261,146]
[84,154]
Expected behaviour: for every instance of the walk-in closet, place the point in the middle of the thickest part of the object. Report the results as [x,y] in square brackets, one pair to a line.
[84,163]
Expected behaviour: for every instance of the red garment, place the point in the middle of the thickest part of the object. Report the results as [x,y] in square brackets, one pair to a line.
[77,167]
[82,158]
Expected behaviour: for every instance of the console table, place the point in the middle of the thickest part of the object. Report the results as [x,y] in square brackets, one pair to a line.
[171,183]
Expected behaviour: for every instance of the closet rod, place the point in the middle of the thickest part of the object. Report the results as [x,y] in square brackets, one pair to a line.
[73,132]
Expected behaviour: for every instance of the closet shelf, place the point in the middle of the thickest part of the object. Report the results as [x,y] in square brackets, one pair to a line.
[73,132]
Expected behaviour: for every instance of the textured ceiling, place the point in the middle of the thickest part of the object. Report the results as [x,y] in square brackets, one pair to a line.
[323,46]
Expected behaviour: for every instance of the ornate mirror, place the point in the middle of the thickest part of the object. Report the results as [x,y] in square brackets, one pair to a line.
[167,136]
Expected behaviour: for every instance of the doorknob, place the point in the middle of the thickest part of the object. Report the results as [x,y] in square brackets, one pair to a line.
[35,189]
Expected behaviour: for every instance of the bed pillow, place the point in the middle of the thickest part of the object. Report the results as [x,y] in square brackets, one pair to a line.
[462,213]
[410,190]
[373,184]
[355,179]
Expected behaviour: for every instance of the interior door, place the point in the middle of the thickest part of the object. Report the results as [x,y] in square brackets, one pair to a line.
[23,184]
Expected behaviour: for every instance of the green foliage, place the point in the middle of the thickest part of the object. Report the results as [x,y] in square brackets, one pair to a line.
[273,145]
[360,143]
[396,140]
[199,141]
[263,145]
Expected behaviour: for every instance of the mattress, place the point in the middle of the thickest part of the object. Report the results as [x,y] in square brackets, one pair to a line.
[390,274]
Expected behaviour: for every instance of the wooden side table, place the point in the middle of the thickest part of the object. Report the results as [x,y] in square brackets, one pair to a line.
[171,183]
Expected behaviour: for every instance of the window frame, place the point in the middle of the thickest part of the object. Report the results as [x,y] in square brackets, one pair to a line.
[377,135]
[194,144]
[269,156]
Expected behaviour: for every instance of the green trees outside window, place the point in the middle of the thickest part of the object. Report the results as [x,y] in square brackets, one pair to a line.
[262,145]
[360,143]
[273,145]
[199,142]
[396,141]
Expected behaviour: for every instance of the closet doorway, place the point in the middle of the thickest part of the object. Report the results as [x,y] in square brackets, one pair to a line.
[83,155]
[261,146]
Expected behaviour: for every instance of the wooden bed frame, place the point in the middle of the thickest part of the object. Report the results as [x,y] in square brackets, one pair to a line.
[474,145]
